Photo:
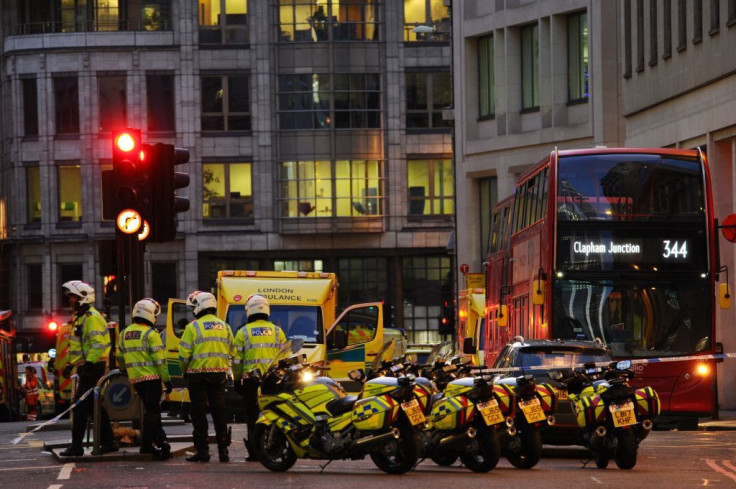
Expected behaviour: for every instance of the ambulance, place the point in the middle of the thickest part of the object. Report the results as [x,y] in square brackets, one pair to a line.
[471,322]
[304,305]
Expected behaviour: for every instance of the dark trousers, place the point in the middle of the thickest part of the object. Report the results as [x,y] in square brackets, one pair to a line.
[250,403]
[89,374]
[153,431]
[206,387]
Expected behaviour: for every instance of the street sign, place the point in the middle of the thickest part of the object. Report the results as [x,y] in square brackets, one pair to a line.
[729,228]
[475,281]
[119,399]
[464,268]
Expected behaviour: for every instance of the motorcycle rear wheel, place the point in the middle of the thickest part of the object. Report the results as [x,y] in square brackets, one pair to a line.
[444,459]
[531,449]
[489,451]
[400,455]
[626,448]
[278,457]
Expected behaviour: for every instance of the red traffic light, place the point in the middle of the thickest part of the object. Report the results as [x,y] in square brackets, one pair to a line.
[125,142]
[53,326]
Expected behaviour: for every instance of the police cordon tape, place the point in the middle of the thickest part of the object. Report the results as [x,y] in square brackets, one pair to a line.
[58,417]
[641,361]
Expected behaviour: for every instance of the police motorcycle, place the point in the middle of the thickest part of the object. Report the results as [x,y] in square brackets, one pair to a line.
[613,416]
[464,420]
[305,415]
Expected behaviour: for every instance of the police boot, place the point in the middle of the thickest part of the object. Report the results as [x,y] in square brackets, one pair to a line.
[199,457]
[223,453]
[250,453]
[72,451]
[150,449]
[165,450]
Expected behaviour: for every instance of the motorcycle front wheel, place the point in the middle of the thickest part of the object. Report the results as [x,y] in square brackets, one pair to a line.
[488,452]
[275,454]
[399,455]
[530,451]
[625,455]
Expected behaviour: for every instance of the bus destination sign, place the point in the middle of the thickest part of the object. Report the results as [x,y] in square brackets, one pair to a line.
[607,250]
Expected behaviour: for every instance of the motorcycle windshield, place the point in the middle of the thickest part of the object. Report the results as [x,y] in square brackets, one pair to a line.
[283,354]
[384,355]
[440,352]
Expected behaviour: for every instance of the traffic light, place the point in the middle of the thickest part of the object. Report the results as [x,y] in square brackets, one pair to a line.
[52,326]
[447,319]
[128,185]
[165,158]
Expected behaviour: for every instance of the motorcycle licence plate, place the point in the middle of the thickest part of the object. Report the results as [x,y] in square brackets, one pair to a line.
[623,414]
[491,412]
[532,410]
[414,412]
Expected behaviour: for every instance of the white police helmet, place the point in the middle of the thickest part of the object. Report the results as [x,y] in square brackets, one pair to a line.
[82,290]
[147,309]
[257,304]
[201,300]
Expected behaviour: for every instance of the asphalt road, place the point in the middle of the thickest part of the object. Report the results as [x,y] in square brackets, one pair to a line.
[666,459]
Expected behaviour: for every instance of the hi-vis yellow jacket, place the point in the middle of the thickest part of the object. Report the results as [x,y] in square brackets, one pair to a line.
[141,354]
[207,345]
[256,343]
[89,341]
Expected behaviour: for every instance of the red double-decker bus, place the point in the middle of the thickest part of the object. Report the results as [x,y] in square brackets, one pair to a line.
[616,244]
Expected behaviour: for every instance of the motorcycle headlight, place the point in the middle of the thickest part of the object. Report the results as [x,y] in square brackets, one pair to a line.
[307,376]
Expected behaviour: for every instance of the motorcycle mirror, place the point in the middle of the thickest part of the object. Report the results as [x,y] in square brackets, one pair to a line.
[623,365]
[555,375]
[356,375]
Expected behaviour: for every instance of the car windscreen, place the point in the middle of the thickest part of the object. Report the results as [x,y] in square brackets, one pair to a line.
[559,357]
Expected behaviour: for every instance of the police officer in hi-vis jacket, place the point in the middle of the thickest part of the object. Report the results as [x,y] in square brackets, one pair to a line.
[141,355]
[205,352]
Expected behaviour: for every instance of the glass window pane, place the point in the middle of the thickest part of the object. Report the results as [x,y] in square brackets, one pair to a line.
[70,193]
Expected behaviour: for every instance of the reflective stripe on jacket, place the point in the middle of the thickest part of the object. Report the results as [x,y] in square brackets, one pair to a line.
[257,343]
[207,345]
[89,340]
[141,354]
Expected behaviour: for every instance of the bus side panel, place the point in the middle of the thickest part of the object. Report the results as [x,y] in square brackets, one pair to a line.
[682,387]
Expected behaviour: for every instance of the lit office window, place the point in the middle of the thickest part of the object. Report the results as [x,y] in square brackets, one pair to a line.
[430,185]
[324,20]
[309,189]
[223,21]
[426,20]
[227,191]
[70,192]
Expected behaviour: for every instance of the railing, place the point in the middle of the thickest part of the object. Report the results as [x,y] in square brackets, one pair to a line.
[92,26]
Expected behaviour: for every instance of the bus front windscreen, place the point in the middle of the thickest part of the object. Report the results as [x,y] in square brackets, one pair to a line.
[297,322]
[641,319]
[630,187]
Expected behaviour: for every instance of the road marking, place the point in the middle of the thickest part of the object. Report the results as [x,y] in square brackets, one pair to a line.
[596,480]
[714,465]
[31,468]
[54,486]
[66,471]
